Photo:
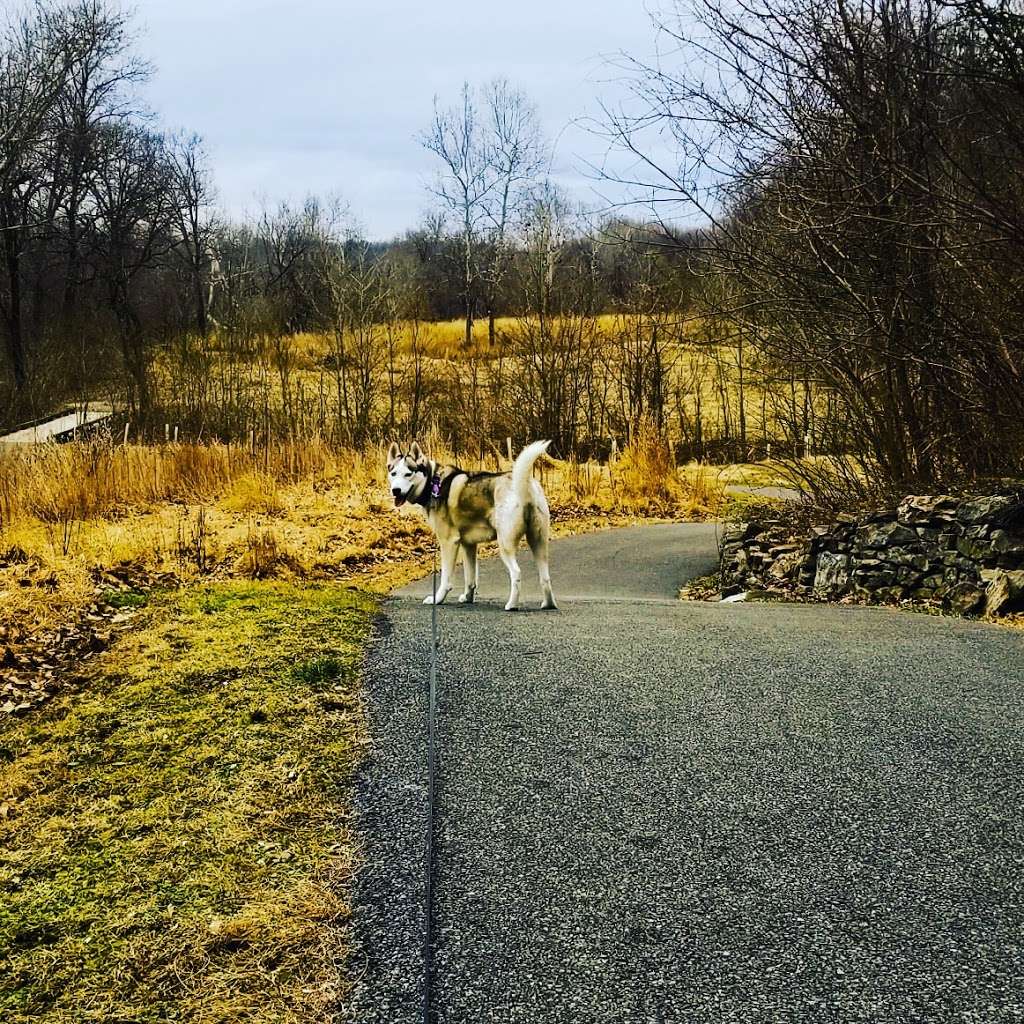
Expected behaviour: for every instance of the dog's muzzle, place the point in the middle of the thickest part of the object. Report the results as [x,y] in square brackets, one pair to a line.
[399,497]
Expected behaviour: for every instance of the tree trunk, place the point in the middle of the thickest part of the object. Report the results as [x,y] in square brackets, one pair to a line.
[12,312]
[202,321]
[742,396]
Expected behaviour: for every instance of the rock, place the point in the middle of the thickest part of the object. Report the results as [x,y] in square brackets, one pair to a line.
[1004,543]
[914,508]
[983,510]
[966,598]
[832,572]
[737,532]
[935,548]
[1005,592]
[887,535]
[961,569]
[786,565]
[972,548]
[875,580]
[980,532]
[902,557]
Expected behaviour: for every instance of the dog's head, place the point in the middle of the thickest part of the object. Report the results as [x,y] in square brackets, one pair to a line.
[407,472]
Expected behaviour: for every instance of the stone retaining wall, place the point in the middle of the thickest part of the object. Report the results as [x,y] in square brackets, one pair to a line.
[962,554]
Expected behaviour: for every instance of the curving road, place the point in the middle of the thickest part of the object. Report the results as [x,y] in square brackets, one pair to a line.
[653,811]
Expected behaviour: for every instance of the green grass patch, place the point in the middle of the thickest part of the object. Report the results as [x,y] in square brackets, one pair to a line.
[738,508]
[175,839]
[125,599]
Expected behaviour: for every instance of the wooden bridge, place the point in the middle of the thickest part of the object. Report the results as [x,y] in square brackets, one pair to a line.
[64,426]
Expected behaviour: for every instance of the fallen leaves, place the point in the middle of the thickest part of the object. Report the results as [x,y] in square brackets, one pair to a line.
[35,665]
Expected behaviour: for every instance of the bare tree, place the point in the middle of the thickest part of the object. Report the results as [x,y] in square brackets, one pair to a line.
[135,210]
[195,222]
[463,185]
[554,344]
[98,92]
[33,71]
[517,159]
[859,166]
[490,158]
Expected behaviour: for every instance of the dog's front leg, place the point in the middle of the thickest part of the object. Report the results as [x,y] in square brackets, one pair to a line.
[449,552]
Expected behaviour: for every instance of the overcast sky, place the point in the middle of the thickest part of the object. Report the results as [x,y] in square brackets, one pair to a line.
[328,96]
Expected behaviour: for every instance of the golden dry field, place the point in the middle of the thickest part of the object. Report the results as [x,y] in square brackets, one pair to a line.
[308,383]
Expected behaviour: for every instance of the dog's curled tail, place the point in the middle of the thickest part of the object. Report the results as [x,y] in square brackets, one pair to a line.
[522,468]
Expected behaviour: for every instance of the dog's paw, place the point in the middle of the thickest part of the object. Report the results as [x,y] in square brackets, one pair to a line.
[549,606]
[429,599]
[510,607]
[467,598]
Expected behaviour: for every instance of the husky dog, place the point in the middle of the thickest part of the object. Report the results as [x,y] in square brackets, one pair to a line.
[466,509]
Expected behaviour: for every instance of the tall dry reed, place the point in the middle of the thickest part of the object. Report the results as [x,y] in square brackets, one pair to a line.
[55,483]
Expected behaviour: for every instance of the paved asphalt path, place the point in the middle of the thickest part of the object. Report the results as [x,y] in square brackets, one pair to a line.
[654,811]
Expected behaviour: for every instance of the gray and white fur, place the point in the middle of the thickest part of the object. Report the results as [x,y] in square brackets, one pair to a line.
[466,509]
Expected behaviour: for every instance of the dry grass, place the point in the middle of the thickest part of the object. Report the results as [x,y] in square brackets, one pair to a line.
[254,492]
[52,483]
[289,385]
[704,371]
[440,339]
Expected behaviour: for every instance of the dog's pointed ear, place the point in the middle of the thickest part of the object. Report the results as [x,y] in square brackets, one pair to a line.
[394,453]
[416,453]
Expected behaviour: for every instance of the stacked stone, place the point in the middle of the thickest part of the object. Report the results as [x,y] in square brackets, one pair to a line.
[965,555]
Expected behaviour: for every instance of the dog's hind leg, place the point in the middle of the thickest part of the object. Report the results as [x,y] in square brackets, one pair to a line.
[449,552]
[472,573]
[507,552]
[537,538]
